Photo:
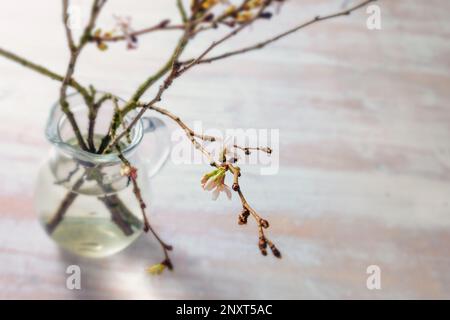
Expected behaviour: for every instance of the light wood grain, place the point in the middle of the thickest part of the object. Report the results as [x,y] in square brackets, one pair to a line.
[364,123]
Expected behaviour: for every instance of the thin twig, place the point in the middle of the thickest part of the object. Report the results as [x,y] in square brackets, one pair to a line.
[43,70]
[147,226]
[262,44]
[92,116]
[182,11]
[223,39]
[262,223]
[163,25]
[74,53]
[175,72]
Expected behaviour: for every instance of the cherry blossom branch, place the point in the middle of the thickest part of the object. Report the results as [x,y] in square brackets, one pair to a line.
[131,172]
[177,119]
[161,26]
[166,84]
[174,73]
[229,13]
[201,18]
[262,44]
[92,116]
[64,206]
[191,134]
[160,73]
[164,25]
[115,209]
[74,53]
[43,70]
[263,224]
[89,99]
[171,64]
[231,34]
[177,70]
[248,210]
[247,150]
[113,203]
[69,35]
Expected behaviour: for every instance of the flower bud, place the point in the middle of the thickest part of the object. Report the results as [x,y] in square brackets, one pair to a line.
[262,243]
[265,15]
[264,223]
[275,251]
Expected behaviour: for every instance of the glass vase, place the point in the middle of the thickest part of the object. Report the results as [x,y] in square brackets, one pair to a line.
[83,201]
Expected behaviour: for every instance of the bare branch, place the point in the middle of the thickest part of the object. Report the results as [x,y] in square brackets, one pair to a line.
[42,70]
[131,172]
[162,26]
[182,11]
[69,35]
[175,72]
[225,38]
[247,209]
[262,44]
[74,53]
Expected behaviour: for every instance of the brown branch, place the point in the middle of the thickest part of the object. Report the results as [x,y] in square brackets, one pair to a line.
[64,206]
[120,214]
[92,116]
[262,44]
[189,27]
[247,150]
[174,73]
[166,84]
[200,59]
[114,208]
[191,134]
[132,175]
[247,209]
[231,34]
[221,18]
[163,25]
[173,69]
[177,119]
[179,48]
[177,70]
[132,103]
[187,65]
[42,70]
[74,53]
[69,35]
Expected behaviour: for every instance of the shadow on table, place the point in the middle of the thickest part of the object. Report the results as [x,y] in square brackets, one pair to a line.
[124,276]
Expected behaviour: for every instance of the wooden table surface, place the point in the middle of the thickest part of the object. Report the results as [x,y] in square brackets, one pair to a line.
[364,177]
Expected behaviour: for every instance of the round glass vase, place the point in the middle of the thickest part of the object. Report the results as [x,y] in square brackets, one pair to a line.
[83,201]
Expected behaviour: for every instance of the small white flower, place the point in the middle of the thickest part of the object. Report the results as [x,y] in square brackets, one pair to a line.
[222,187]
[124,24]
[215,180]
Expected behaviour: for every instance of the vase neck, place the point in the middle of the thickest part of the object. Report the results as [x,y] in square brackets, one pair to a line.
[60,133]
